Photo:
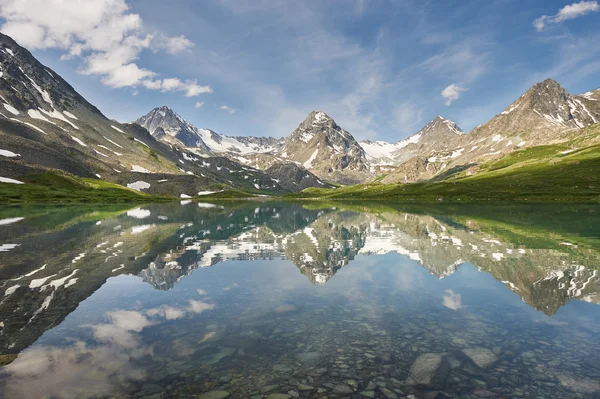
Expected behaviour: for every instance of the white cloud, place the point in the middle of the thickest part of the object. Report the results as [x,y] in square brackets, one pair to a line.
[174,45]
[228,109]
[568,12]
[452,93]
[199,104]
[190,87]
[104,33]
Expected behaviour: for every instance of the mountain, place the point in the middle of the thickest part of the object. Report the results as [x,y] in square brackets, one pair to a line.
[545,114]
[593,95]
[327,150]
[165,125]
[541,114]
[168,126]
[51,126]
[318,144]
[294,178]
[439,134]
[46,126]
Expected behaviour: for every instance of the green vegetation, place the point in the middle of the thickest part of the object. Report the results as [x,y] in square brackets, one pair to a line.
[155,156]
[231,194]
[54,187]
[541,174]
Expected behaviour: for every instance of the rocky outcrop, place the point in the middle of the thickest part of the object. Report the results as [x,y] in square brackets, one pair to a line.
[294,178]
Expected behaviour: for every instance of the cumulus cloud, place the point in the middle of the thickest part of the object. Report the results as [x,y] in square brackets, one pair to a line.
[190,87]
[174,45]
[104,33]
[568,12]
[452,93]
[227,109]
[199,104]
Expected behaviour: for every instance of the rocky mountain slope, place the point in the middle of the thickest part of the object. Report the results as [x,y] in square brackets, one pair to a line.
[439,134]
[45,125]
[327,150]
[545,114]
[293,177]
[168,126]
[318,144]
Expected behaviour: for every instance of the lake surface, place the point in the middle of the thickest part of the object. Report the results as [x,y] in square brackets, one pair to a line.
[272,300]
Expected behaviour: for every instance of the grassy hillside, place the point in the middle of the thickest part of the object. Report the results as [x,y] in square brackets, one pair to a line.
[54,187]
[544,173]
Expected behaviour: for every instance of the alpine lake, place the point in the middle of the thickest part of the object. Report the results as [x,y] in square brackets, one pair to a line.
[311,300]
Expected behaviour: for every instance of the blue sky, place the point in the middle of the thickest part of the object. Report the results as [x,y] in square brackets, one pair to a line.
[379,68]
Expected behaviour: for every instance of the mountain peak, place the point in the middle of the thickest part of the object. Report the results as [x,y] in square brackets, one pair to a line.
[440,125]
[318,117]
[164,122]
[547,85]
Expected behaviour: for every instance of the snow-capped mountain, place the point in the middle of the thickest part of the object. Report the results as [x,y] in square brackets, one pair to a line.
[542,113]
[168,126]
[327,150]
[593,95]
[45,125]
[438,134]
[545,114]
[51,126]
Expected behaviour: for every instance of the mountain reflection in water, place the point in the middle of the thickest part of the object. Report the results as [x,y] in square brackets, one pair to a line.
[170,300]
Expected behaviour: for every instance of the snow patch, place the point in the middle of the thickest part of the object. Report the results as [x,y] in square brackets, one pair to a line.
[140,141]
[137,168]
[112,142]
[8,180]
[35,114]
[309,161]
[4,222]
[8,247]
[8,154]
[11,109]
[138,185]
[58,115]
[79,141]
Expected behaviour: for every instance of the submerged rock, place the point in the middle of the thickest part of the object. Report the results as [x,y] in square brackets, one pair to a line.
[215,395]
[278,396]
[428,369]
[482,357]
[309,357]
[342,389]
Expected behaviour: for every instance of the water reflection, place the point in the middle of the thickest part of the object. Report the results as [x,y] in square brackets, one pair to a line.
[209,298]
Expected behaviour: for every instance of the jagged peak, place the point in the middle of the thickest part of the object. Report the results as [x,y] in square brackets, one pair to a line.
[318,116]
[546,86]
[440,120]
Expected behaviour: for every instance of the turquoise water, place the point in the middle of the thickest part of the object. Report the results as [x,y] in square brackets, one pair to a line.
[285,300]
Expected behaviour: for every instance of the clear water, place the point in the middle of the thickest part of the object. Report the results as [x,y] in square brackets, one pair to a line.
[284,300]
